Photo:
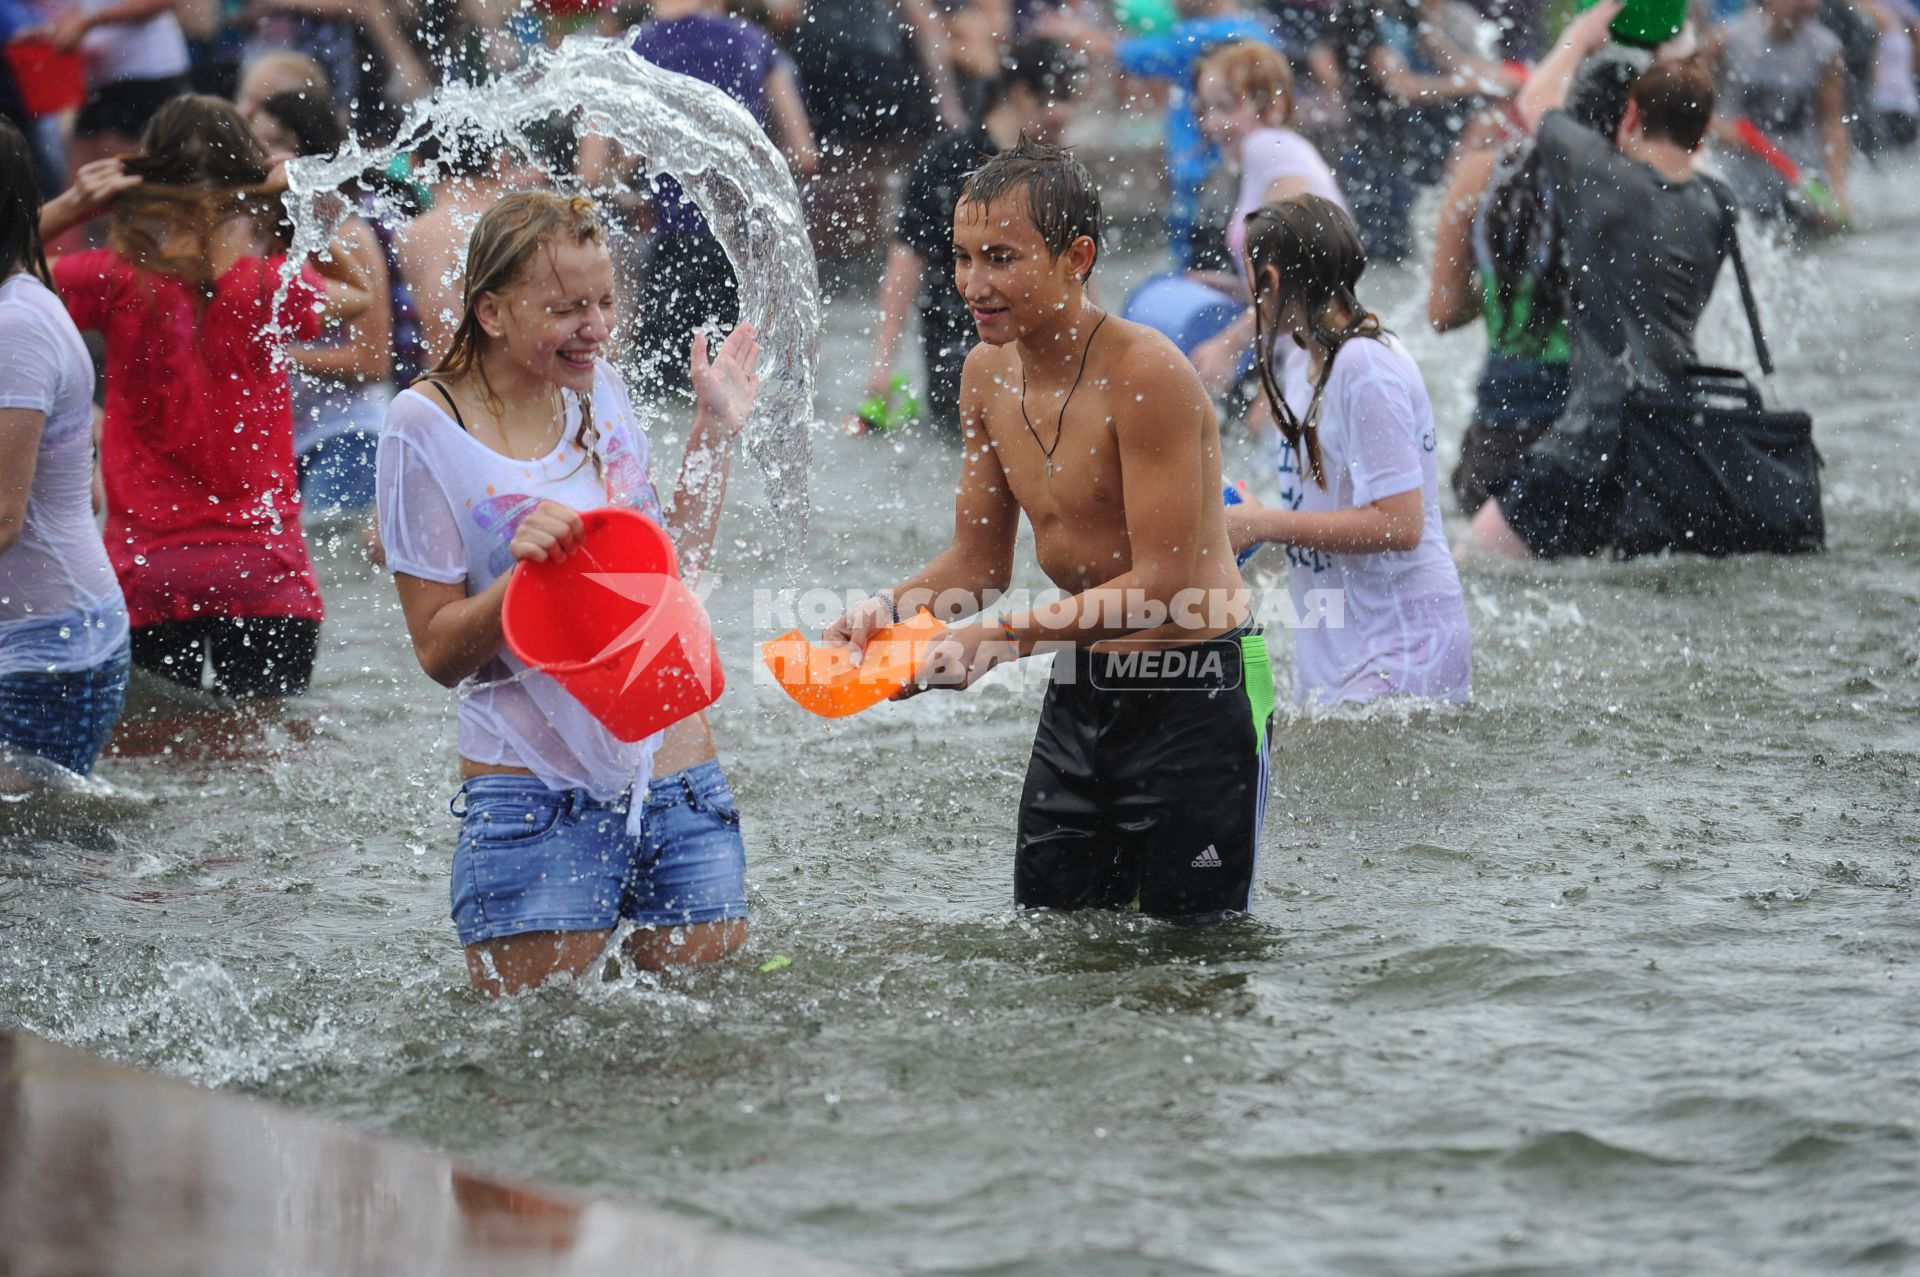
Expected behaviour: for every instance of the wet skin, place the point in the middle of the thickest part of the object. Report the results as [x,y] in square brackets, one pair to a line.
[1134,484]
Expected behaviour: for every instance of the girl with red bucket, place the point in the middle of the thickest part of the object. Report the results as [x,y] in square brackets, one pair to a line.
[486,463]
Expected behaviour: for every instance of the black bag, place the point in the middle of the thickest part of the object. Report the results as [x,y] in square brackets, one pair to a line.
[1709,469]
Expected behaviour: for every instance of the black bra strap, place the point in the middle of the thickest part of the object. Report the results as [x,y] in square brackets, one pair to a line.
[444,394]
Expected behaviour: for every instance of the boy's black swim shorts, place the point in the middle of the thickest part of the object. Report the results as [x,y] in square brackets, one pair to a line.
[1148,782]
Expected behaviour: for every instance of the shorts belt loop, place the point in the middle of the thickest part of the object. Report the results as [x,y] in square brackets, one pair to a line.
[453,804]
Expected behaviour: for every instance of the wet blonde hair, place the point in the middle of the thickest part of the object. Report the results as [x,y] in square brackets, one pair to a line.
[509,236]
[1255,73]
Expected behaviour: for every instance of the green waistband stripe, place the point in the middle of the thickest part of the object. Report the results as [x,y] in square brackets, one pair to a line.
[1256,670]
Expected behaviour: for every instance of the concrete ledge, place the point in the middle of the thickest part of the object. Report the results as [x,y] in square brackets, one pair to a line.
[107,1171]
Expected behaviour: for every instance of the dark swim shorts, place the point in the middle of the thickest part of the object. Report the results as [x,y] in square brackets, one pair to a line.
[1148,783]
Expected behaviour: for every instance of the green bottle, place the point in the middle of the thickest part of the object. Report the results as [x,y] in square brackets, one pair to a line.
[1646,24]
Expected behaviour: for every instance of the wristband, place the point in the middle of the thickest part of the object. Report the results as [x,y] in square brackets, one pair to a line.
[892,607]
[1006,628]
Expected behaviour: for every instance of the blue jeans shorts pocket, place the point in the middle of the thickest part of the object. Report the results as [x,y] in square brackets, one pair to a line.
[530,858]
[693,863]
[64,718]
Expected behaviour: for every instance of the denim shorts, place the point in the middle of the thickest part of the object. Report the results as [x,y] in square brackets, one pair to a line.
[532,858]
[692,865]
[64,718]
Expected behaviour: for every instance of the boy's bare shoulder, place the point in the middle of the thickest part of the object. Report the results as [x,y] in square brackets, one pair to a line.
[988,363]
[1145,360]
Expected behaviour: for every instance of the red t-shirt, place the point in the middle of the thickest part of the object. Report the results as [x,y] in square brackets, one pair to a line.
[203,498]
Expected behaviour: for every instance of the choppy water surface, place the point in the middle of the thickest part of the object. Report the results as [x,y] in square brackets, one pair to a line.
[1613,973]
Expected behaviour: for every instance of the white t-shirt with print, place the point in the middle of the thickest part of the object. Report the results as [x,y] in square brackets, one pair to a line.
[449,506]
[1403,620]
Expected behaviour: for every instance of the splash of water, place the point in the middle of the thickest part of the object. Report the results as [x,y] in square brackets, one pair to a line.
[686,129]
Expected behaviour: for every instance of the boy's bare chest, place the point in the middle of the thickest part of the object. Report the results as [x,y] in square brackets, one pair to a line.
[1059,469]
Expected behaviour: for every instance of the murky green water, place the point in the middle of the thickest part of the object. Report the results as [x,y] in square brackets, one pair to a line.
[1613,973]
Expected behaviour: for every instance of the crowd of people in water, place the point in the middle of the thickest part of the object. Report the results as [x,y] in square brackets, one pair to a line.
[446,379]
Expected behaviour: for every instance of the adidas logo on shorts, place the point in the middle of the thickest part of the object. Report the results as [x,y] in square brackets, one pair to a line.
[1208,859]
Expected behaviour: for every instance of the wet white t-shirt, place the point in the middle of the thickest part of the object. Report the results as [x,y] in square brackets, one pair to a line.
[60,606]
[1266,156]
[449,506]
[1401,618]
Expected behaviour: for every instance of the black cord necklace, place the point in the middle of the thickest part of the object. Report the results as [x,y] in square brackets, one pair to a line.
[1060,424]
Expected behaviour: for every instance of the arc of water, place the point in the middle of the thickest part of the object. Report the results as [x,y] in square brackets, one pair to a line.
[686,129]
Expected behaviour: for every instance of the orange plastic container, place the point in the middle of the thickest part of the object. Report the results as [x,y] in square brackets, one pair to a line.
[49,81]
[614,625]
[825,680]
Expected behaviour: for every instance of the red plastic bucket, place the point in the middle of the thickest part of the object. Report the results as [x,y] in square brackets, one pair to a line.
[49,81]
[614,625]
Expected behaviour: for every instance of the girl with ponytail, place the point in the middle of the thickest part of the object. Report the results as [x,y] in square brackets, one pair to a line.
[484,463]
[1379,600]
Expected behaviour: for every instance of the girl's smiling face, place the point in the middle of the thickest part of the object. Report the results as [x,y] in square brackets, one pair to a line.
[558,319]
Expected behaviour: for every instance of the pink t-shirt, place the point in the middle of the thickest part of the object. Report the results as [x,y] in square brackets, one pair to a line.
[1266,156]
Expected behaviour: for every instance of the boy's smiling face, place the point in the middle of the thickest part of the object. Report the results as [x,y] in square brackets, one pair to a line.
[1011,281]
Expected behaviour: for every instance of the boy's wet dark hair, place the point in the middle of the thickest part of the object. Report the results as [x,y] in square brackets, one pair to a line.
[20,247]
[1045,68]
[1675,100]
[1061,199]
[464,151]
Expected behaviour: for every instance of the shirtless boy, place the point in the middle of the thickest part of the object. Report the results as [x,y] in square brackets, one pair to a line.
[1148,778]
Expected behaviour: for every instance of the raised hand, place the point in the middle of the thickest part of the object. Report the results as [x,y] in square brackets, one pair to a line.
[64,32]
[95,185]
[726,386]
[1589,32]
